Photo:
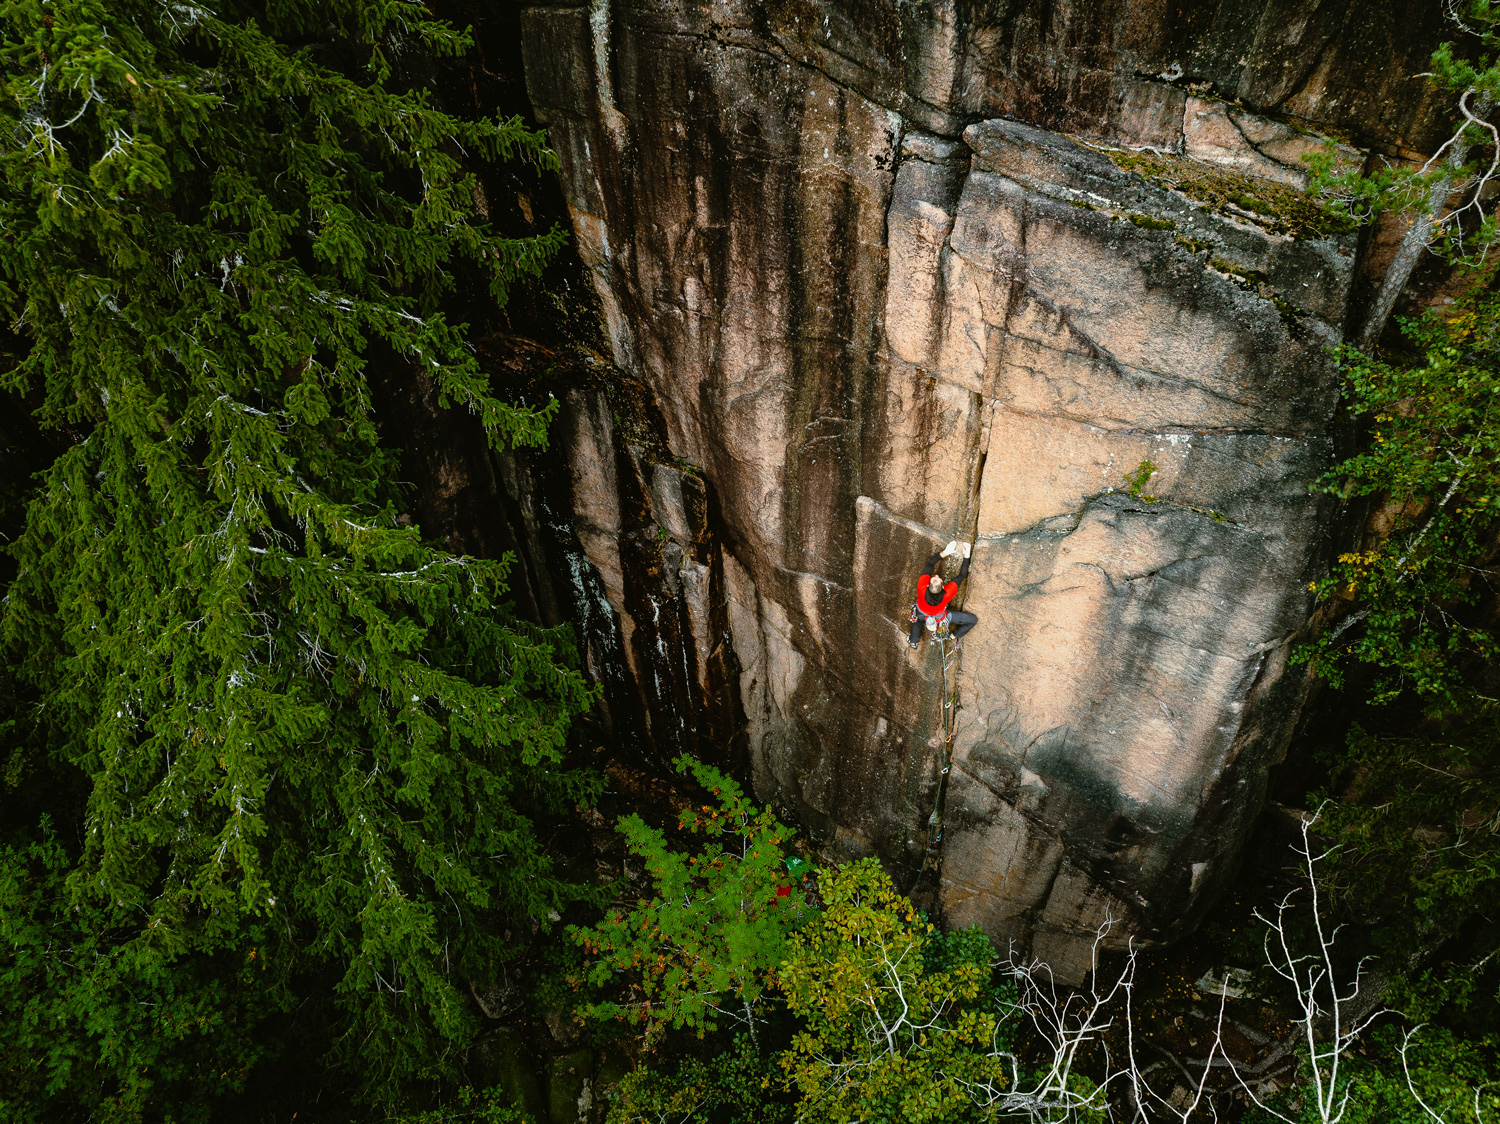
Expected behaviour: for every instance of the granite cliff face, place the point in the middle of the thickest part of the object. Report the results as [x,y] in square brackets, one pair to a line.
[898,272]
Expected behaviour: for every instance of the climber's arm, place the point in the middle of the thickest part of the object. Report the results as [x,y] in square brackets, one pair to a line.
[932,564]
[963,572]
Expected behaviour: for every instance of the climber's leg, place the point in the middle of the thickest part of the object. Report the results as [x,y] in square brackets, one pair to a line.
[916,633]
[960,622]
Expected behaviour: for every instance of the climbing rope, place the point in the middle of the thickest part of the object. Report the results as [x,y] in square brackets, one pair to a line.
[948,721]
[949,715]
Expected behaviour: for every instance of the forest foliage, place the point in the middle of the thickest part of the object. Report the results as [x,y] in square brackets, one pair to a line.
[700,950]
[895,1018]
[1431,459]
[1413,791]
[874,1013]
[1412,795]
[272,761]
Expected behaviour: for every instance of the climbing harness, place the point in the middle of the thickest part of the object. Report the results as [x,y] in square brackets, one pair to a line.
[941,625]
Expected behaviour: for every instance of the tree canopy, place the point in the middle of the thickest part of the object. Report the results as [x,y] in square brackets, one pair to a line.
[292,753]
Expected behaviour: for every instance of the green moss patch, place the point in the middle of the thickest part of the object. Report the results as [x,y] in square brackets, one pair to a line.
[1273,206]
[1146,222]
[1256,283]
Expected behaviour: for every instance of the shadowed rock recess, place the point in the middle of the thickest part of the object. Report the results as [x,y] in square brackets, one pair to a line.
[900,272]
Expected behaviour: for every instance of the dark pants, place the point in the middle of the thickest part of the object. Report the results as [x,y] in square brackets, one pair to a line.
[959,623]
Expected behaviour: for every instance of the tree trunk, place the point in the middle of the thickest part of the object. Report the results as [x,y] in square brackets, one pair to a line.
[1413,242]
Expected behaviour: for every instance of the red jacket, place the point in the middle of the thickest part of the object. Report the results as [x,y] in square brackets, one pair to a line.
[949,589]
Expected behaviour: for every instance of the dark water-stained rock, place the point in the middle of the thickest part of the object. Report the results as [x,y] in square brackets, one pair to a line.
[502,1061]
[570,1088]
[881,299]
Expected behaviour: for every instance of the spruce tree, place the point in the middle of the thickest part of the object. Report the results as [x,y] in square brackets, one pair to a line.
[307,748]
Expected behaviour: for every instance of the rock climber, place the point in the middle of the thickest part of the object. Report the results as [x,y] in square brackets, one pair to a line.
[930,610]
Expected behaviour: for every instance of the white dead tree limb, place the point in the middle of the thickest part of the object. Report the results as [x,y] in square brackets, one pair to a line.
[1443,173]
[1416,1095]
[1147,1101]
[1330,1014]
[1432,219]
[1071,1031]
[1064,1025]
[37,114]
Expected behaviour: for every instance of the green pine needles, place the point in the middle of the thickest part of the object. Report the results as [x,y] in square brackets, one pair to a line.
[701,947]
[308,747]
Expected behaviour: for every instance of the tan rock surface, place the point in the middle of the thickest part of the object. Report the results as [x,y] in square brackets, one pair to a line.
[873,329]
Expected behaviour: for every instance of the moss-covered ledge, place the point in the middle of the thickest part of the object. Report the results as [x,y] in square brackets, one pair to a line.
[1274,207]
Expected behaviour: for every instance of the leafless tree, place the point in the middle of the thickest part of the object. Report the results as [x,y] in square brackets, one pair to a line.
[1330,1013]
[1065,1025]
